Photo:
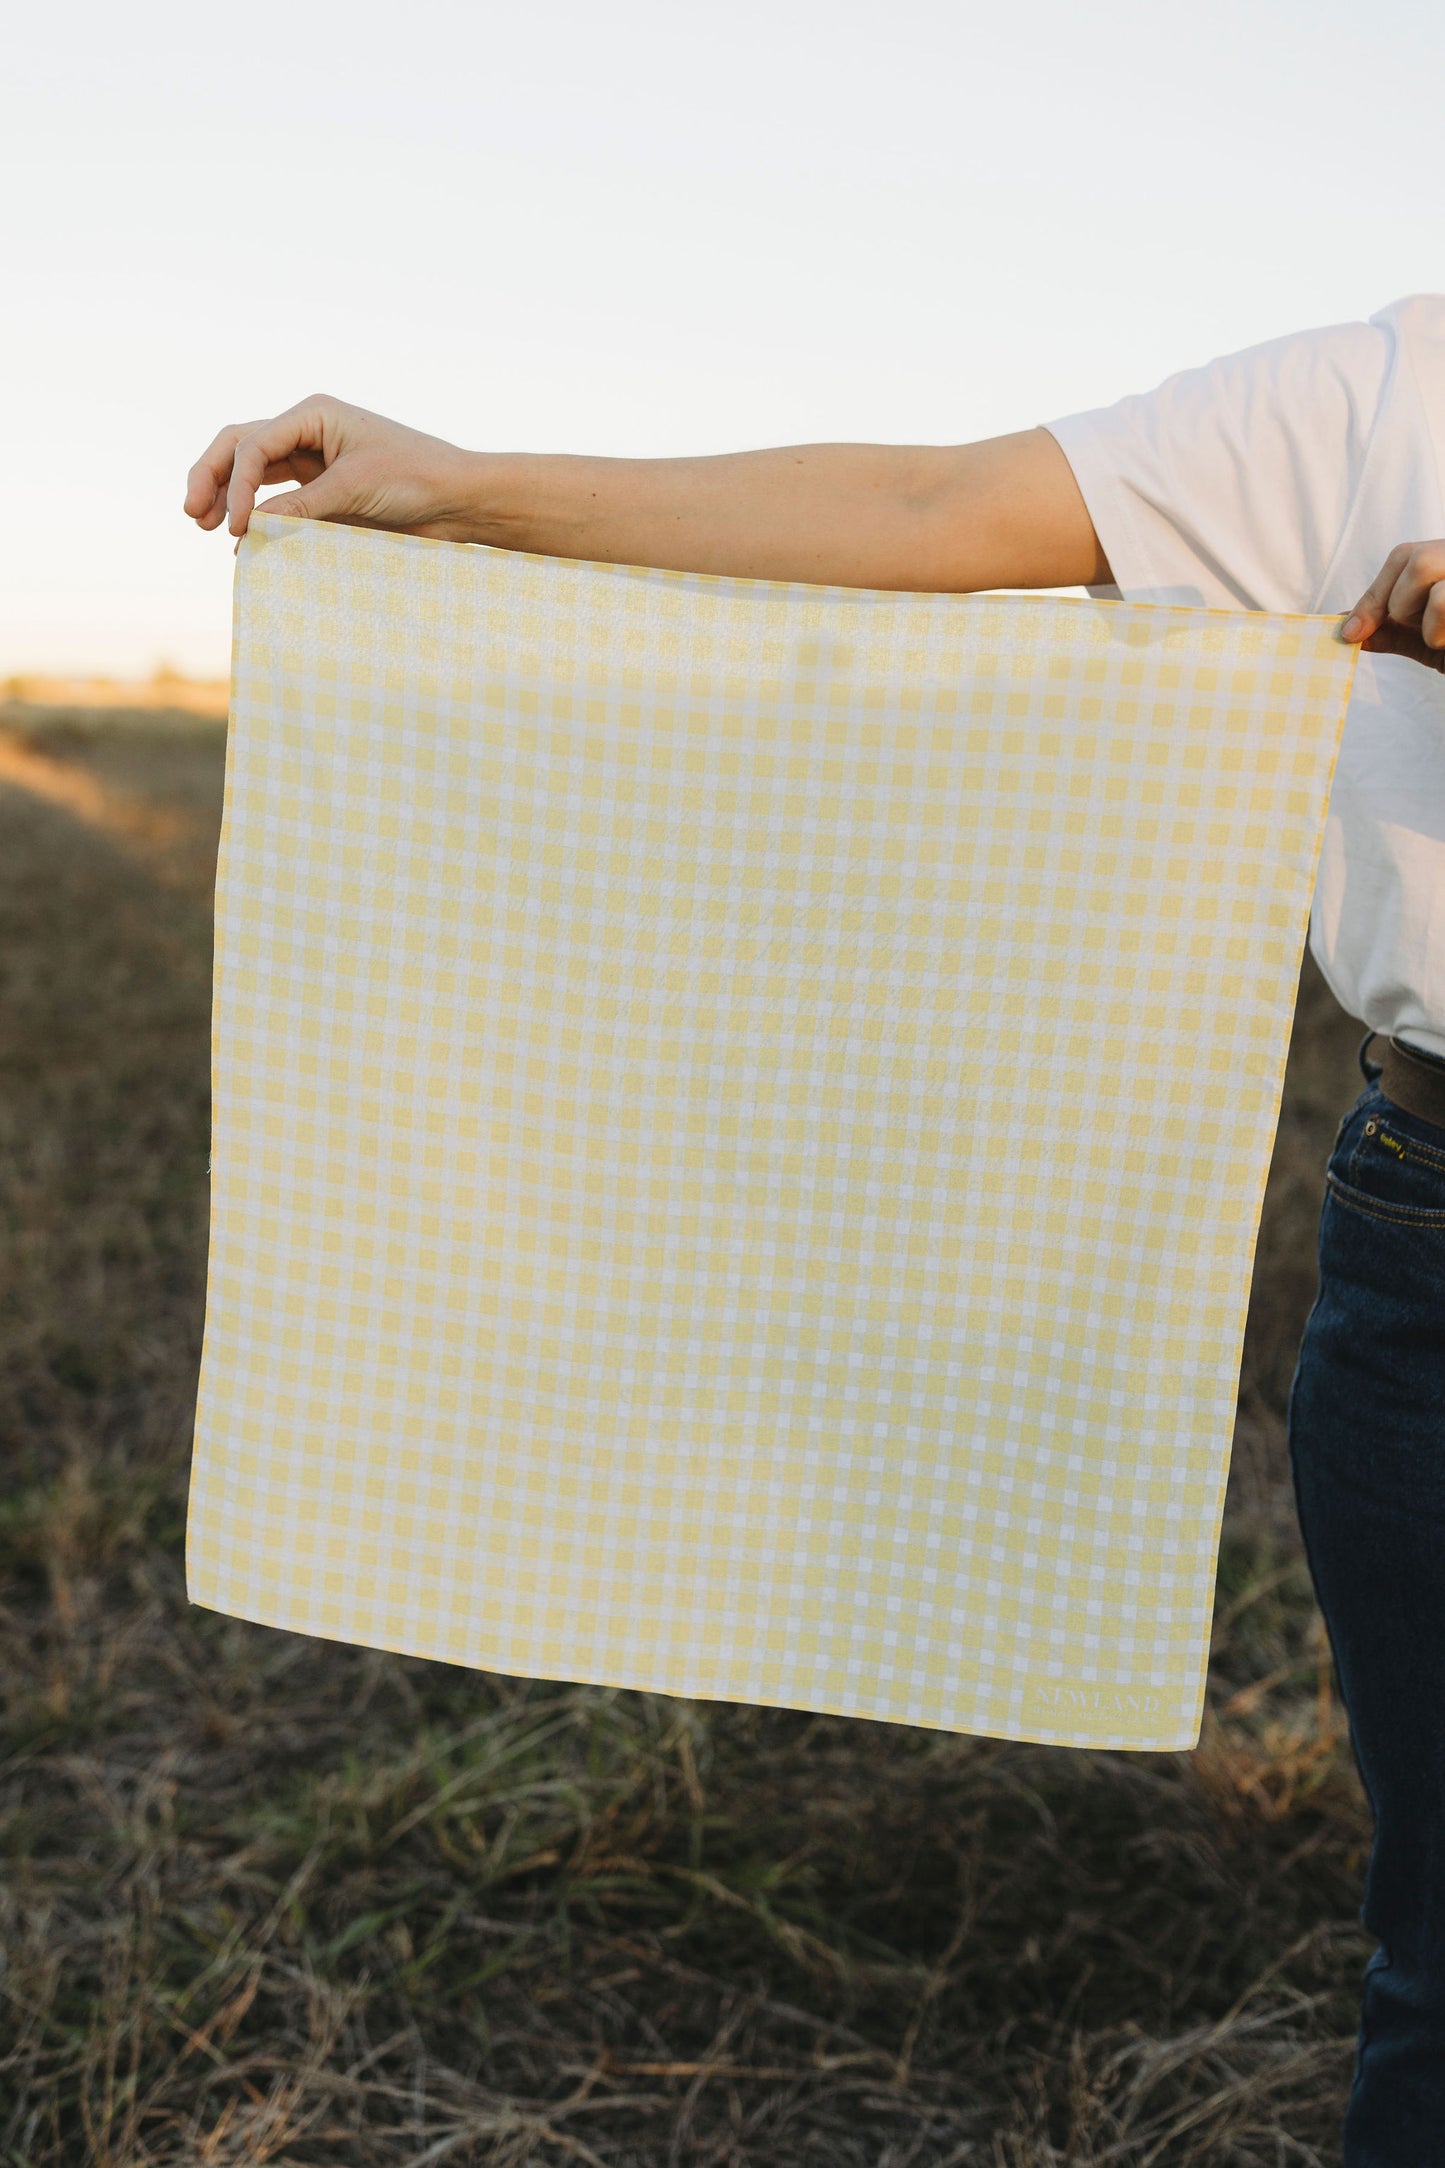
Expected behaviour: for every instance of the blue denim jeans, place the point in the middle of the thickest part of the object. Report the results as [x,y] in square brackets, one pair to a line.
[1367,1452]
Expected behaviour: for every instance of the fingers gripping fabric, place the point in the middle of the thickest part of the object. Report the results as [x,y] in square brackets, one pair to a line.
[741,1115]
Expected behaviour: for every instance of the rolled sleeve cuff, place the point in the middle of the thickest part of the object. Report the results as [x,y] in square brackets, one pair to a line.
[1088,442]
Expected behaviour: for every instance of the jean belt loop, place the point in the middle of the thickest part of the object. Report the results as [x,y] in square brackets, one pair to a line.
[1367,1072]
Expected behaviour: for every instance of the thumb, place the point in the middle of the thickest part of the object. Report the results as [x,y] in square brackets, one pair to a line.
[1373,608]
[1391,639]
[324,498]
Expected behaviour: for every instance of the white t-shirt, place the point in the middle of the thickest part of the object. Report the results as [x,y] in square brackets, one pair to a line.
[1280,479]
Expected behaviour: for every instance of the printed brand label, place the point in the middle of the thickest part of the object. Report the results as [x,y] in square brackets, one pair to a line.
[1109,1700]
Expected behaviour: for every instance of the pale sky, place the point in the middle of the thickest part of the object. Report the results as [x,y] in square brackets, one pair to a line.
[649,226]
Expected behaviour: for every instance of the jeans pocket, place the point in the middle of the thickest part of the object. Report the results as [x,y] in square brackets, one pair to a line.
[1389,1164]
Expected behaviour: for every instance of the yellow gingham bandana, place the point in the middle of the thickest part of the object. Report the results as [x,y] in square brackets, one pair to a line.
[741,1116]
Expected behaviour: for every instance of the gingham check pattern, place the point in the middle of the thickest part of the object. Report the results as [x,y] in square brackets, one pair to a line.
[741,1115]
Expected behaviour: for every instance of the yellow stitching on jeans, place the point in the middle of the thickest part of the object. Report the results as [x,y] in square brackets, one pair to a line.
[1404,1215]
[1407,1148]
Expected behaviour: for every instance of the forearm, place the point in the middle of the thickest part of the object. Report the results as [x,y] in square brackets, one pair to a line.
[1002,513]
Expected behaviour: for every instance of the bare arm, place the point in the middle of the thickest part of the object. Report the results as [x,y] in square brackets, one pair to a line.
[1004,512]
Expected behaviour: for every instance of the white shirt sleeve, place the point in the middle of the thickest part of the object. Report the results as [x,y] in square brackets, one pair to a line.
[1232,485]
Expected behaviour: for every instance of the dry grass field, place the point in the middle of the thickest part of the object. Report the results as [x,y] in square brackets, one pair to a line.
[270,1900]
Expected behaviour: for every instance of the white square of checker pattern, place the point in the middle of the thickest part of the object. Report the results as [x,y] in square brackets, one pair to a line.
[741,1113]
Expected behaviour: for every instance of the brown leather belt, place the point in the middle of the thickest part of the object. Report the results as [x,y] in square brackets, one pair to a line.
[1413,1080]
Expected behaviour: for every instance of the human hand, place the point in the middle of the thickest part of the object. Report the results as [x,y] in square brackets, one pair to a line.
[353,466]
[1402,611]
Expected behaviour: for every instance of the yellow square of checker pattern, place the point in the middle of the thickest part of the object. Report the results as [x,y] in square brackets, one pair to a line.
[741,1115]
